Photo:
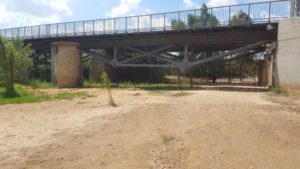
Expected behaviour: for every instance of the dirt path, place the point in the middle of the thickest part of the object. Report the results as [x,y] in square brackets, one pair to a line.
[188,130]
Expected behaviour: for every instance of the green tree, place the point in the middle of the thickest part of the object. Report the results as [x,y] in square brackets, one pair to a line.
[239,19]
[14,63]
[204,20]
[177,24]
[7,64]
[23,60]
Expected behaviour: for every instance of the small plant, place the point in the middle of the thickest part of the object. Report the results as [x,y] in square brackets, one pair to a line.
[107,83]
[278,90]
[181,94]
[168,139]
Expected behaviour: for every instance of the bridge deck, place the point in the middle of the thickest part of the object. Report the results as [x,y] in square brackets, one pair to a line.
[260,13]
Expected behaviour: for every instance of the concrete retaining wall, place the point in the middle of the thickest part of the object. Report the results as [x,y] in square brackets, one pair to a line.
[287,62]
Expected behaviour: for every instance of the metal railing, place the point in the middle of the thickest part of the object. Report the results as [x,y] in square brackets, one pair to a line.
[261,12]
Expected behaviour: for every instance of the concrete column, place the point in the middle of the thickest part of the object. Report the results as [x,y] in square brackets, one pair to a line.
[66,64]
[295,8]
[288,53]
[97,67]
[266,71]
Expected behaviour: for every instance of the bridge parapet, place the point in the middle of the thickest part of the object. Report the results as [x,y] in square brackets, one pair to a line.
[260,13]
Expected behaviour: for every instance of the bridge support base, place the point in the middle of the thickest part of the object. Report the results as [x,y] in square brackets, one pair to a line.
[97,67]
[66,65]
[265,76]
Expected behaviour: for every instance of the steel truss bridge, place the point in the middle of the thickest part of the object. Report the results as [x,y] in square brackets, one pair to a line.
[153,41]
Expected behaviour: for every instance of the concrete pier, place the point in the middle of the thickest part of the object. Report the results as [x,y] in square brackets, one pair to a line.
[97,67]
[66,64]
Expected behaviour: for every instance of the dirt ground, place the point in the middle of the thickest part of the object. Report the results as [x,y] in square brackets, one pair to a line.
[198,129]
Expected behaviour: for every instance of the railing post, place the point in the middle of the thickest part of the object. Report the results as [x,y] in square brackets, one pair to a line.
[229,16]
[249,8]
[93,27]
[114,26]
[164,21]
[56,30]
[293,8]
[126,29]
[270,4]
[31,32]
[150,23]
[74,29]
[138,24]
[211,16]
[65,29]
[103,27]
[39,31]
[83,29]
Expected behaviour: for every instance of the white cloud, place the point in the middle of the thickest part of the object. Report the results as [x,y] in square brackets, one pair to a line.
[189,4]
[32,12]
[215,3]
[124,8]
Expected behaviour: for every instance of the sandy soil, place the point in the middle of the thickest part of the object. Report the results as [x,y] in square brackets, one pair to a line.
[201,129]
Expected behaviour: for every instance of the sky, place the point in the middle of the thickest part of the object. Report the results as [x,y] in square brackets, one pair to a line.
[15,13]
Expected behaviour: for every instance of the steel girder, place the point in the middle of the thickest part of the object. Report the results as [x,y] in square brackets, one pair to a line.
[162,57]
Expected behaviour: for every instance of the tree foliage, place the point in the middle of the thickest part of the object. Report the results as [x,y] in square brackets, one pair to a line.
[14,63]
[239,19]
[23,60]
[178,24]
[204,20]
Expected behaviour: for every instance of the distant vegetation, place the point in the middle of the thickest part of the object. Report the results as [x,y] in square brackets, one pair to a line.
[206,19]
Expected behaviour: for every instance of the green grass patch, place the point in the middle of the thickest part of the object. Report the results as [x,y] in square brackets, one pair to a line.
[146,86]
[71,95]
[89,84]
[22,95]
[279,91]
[39,84]
[25,95]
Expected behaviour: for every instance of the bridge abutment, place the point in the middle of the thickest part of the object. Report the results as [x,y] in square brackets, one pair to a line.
[287,62]
[66,64]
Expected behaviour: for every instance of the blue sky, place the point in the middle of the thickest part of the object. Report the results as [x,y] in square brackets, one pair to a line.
[33,12]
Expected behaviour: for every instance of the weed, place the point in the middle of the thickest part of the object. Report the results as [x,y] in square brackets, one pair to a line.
[180,94]
[38,84]
[168,139]
[278,91]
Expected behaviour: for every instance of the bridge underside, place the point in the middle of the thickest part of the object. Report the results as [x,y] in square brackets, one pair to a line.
[221,38]
[172,49]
